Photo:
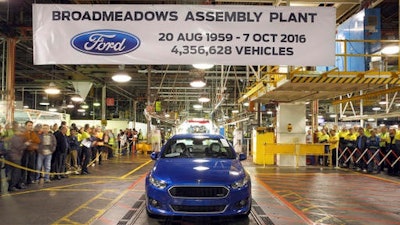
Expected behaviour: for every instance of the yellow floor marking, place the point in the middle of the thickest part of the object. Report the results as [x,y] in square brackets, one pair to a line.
[99,196]
[101,212]
[136,169]
[382,178]
[94,177]
[329,174]
[66,217]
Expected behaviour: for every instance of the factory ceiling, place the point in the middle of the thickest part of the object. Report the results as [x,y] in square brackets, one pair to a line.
[168,84]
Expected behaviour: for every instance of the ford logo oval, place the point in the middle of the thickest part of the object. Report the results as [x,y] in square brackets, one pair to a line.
[105,42]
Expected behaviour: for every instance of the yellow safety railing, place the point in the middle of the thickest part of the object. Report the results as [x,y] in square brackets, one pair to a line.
[273,149]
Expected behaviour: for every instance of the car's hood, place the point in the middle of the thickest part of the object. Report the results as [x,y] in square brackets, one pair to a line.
[198,171]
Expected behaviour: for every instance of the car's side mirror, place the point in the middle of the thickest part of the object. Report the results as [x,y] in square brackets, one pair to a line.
[154,155]
[242,156]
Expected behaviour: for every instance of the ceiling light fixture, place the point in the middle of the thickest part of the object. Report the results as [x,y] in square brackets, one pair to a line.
[84,106]
[203,66]
[198,83]
[52,89]
[197,106]
[204,99]
[64,104]
[96,104]
[81,110]
[383,102]
[198,78]
[76,98]
[70,105]
[390,50]
[45,101]
[121,77]
[53,109]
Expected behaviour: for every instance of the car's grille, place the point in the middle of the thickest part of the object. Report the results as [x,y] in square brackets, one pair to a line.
[198,209]
[199,192]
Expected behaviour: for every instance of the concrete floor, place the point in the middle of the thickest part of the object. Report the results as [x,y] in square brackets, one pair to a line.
[113,193]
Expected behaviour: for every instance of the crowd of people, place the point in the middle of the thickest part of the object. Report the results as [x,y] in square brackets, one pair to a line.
[40,151]
[368,149]
[127,138]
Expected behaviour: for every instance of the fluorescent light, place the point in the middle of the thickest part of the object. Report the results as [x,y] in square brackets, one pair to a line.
[204,99]
[52,89]
[96,104]
[390,50]
[76,98]
[383,102]
[121,77]
[376,108]
[81,110]
[70,105]
[45,101]
[235,111]
[197,106]
[197,83]
[53,109]
[203,66]
[246,104]
[84,106]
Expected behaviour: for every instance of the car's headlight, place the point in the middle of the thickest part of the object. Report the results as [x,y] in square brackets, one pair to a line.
[241,183]
[157,183]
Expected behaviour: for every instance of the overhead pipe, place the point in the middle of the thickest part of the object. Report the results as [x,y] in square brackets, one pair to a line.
[217,105]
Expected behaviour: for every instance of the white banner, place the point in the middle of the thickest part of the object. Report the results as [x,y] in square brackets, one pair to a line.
[183,34]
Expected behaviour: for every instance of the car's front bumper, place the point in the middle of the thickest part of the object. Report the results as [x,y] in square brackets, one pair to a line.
[236,202]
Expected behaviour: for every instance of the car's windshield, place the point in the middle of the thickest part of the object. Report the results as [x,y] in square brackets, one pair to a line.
[198,148]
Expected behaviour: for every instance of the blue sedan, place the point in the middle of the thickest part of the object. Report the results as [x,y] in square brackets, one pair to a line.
[198,175]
